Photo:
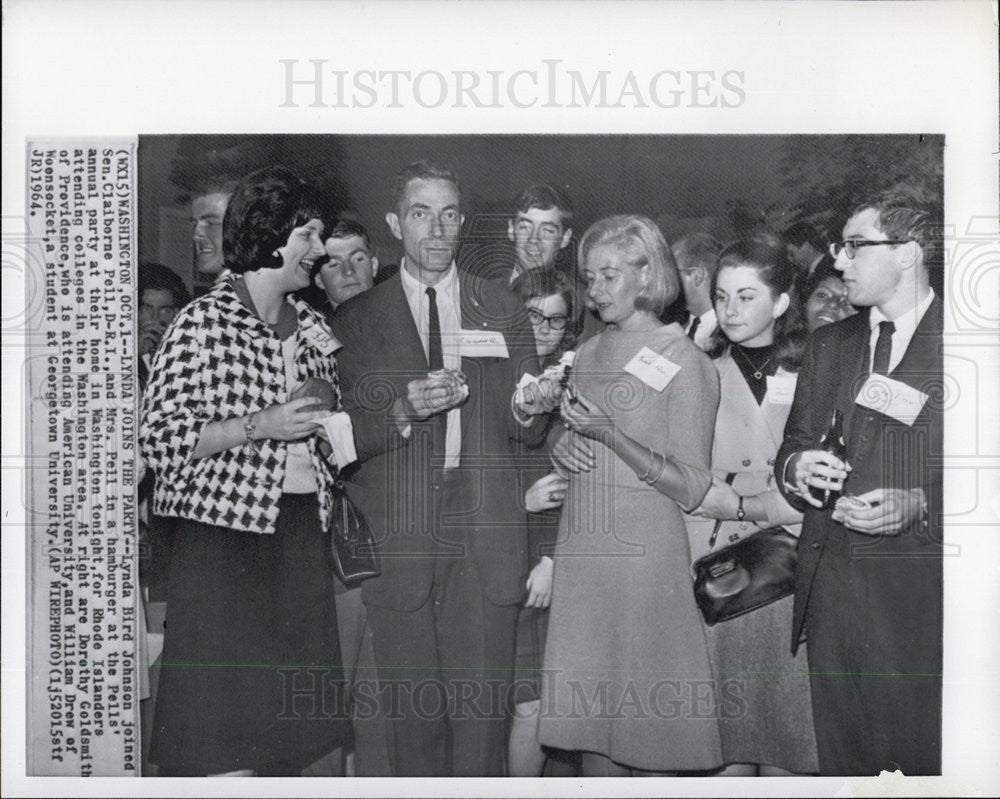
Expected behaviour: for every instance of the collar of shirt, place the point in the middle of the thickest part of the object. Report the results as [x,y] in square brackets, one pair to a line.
[450,318]
[906,326]
[448,304]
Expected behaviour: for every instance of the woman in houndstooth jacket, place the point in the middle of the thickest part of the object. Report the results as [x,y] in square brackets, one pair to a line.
[251,679]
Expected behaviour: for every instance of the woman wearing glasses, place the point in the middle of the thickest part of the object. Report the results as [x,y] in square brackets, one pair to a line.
[625,638]
[554,312]
[252,680]
[757,350]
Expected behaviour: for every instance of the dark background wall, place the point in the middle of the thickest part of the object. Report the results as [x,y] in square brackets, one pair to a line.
[677,180]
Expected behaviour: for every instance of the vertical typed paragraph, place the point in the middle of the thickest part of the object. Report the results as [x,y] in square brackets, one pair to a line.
[84,665]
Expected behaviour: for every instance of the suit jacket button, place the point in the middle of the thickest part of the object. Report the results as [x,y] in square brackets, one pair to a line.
[746,461]
[436,487]
[814,546]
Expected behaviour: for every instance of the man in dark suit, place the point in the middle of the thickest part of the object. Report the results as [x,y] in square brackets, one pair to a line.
[868,582]
[438,483]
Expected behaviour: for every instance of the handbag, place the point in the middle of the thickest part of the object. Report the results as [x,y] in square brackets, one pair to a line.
[352,543]
[746,575]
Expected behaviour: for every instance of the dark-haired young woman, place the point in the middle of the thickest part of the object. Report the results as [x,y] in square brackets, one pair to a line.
[766,717]
[252,678]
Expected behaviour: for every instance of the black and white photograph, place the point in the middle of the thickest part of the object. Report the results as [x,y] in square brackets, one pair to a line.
[418,417]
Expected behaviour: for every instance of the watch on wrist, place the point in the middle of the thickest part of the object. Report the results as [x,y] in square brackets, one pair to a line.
[250,430]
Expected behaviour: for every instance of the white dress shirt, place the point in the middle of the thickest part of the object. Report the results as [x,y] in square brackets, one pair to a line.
[450,318]
[707,323]
[906,326]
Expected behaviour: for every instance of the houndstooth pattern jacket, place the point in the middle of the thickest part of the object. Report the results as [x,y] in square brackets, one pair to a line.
[218,360]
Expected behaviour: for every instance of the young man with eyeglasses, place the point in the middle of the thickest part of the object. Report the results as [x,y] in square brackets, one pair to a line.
[868,594]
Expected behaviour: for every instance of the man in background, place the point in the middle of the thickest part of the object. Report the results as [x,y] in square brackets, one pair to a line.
[351,265]
[696,255]
[208,208]
[540,229]
[161,295]
[805,247]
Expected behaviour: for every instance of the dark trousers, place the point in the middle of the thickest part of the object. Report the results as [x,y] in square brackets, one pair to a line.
[445,671]
[874,646]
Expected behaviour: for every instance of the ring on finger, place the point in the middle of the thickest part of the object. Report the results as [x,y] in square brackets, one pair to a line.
[553,497]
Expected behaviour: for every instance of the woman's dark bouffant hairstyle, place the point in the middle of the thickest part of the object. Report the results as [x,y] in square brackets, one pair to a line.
[264,209]
[777,273]
[538,283]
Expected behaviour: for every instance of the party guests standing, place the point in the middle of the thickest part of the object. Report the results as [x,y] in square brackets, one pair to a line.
[554,313]
[696,255]
[251,679]
[439,484]
[757,351]
[349,269]
[626,661]
[868,581]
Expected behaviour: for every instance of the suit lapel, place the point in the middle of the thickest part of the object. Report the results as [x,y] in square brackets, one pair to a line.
[775,415]
[474,316]
[400,329]
[923,354]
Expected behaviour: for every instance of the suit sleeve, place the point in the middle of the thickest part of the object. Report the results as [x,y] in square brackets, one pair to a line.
[367,393]
[798,429]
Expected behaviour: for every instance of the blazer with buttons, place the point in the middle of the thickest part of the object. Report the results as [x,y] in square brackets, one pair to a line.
[397,480]
[218,360]
[883,453]
[747,437]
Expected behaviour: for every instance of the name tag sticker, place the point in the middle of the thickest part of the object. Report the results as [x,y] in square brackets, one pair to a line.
[482,344]
[652,369]
[891,398]
[321,339]
[781,389]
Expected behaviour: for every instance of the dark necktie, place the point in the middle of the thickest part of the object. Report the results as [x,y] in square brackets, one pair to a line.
[435,356]
[883,348]
[694,327]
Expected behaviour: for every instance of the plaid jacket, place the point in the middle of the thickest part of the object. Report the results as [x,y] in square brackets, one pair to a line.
[218,360]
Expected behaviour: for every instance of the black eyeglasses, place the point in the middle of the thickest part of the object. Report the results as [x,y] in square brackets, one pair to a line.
[851,246]
[554,322]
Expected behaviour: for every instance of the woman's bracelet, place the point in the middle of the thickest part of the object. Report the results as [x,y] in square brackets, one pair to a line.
[659,472]
[649,468]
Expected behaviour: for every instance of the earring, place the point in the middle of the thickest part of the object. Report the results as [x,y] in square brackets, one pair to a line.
[276,260]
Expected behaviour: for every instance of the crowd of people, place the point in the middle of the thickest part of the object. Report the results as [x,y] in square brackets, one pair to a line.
[543,453]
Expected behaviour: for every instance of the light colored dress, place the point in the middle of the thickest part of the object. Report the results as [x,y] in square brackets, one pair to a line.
[627,673]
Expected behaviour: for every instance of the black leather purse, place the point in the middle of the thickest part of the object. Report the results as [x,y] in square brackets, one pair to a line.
[352,543]
[741,577]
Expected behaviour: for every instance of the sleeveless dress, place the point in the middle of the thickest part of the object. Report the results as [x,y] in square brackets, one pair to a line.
[627,673]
